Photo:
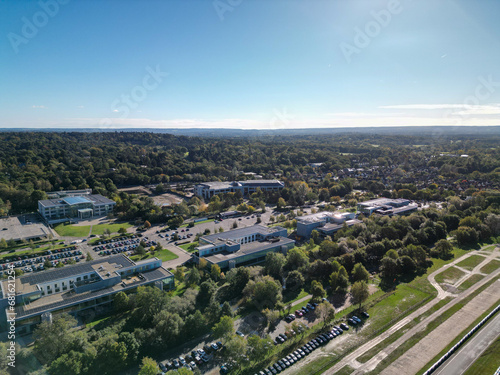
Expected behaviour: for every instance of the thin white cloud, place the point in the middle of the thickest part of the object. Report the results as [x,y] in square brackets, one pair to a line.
[39,107]
[424,106]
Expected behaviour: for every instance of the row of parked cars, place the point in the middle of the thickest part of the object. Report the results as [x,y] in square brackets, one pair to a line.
[194,359]
[123,246]
[301,352]
[36,264]
[300,313]
[116,239]
[28,259]
[321,339]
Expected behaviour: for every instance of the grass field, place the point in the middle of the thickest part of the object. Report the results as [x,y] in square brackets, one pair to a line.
[423,284]
[198,222]
[491,266]
[72,230]
[471,262]
[449,276]
[471,280]
[187,246]
[100,228]
[490,248]
[164,255]
[488,362]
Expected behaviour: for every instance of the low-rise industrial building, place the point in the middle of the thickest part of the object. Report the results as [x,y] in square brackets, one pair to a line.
[327,220]
[208,189]
[244,246]
[387,206]
[77,288]
[68,207]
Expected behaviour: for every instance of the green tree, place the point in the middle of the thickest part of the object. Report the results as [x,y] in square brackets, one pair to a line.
[54,339]
[122,230]
[148,367]
[224,328]
[359,273]
[193,277]
[227,310]
[443,249]
[359,292]
[120,302]
[295,280]
[274,264]
[258,348]
[89,257]
[325,312]
[215,272]
[281,204]
[317,290]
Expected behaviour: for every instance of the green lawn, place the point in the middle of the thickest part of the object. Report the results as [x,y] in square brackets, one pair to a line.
[198,222]
[489,248]
[164,255]
[488,362]
[471,280]
[491,266]
[287,300]
[450,276]
[471,262]
[423,284]
[100,228]
[187,246]
[72,230]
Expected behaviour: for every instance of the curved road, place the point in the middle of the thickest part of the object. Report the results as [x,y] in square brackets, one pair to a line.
[467,355]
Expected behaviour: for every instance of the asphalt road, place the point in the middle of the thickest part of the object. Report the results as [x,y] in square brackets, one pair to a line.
[465,357]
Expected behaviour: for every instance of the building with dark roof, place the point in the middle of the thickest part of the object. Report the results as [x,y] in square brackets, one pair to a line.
[63,207]
[244,246]
[208,189]
[78,288]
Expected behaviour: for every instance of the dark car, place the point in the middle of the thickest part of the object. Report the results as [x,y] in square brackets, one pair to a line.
[162,367]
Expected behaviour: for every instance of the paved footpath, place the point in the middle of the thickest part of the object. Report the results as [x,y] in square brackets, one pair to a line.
[350,359]
[432,344]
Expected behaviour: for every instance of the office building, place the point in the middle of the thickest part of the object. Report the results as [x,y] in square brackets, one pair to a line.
[74,289]
[67,207]
[326,223]
[387,206]
[243,247]
[208,189]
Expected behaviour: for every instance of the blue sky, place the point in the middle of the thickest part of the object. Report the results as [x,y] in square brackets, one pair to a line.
[249,63]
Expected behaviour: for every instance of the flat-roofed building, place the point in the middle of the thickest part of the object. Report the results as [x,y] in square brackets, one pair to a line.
[244,246]
[306,224]
[208,189]
[75,206]
[384,204]
[76,288]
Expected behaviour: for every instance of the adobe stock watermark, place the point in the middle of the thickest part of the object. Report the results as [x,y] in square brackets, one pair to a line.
[137,95]
[281,119]
[11,316]
[364,36]
[31,26]
[482,92]
[223,6]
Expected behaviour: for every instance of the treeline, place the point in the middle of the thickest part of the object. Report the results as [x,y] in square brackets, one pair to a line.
[33,163]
